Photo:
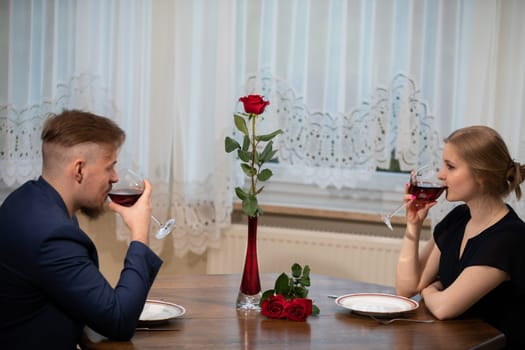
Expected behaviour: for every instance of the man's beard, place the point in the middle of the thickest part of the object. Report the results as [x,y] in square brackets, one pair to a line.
[93,213]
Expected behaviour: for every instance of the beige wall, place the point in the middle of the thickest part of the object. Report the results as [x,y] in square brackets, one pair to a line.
[111,252]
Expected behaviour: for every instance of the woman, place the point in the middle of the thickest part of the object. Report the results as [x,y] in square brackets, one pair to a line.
[475,262]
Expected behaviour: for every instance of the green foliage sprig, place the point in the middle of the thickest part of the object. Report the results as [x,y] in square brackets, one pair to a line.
[294,286]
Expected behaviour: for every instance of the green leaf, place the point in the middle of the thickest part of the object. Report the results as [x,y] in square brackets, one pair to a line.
[240,193]
[249,205]
[259,190]
[267,151]
[230,144]
[245,143]
[240,123]
[264,175]
[268,137]
[300,292]
[306,271]
[282,284]
[315,310]
[248,170]
[296,270]
[272,155]
[244,156]
[305,281]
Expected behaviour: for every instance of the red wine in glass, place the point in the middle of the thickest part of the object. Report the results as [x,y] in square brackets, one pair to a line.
[128,190]
[425,185]
[125,196]
[426,191]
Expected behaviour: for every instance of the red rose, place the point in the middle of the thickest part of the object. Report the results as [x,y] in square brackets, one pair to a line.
[254,104]
[274,306]
[298,309]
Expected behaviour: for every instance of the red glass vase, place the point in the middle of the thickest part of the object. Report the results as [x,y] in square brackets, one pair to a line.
[250,291]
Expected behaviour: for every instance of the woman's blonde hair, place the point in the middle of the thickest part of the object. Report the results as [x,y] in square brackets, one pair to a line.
[489,159]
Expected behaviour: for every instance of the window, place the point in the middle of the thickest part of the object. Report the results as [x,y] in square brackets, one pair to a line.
[361,85]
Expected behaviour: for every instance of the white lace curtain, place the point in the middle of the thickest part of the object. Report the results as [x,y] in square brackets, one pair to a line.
[170,72]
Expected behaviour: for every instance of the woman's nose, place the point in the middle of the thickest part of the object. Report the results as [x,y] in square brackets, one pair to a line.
[441,175]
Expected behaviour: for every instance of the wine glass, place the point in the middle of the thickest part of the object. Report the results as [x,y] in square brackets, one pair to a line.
[425,185]
[128,190]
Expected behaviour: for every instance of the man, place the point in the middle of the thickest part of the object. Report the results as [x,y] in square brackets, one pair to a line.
[50,284]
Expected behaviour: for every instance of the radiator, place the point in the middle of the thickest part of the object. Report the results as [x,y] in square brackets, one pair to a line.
[355,256]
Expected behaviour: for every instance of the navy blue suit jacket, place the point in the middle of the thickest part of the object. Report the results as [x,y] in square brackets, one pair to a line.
[50,284]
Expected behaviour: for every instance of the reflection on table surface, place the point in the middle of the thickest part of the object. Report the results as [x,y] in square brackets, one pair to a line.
[212,321]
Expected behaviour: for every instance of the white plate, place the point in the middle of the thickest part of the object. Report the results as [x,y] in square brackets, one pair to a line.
[157,311]
[376,304]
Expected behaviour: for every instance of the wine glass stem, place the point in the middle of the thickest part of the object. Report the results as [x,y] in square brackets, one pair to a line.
[397,209]
[156,220]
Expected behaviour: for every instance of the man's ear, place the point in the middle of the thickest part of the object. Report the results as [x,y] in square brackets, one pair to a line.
[78,169]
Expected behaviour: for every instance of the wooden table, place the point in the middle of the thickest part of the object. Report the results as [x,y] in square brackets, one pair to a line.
[212,322]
